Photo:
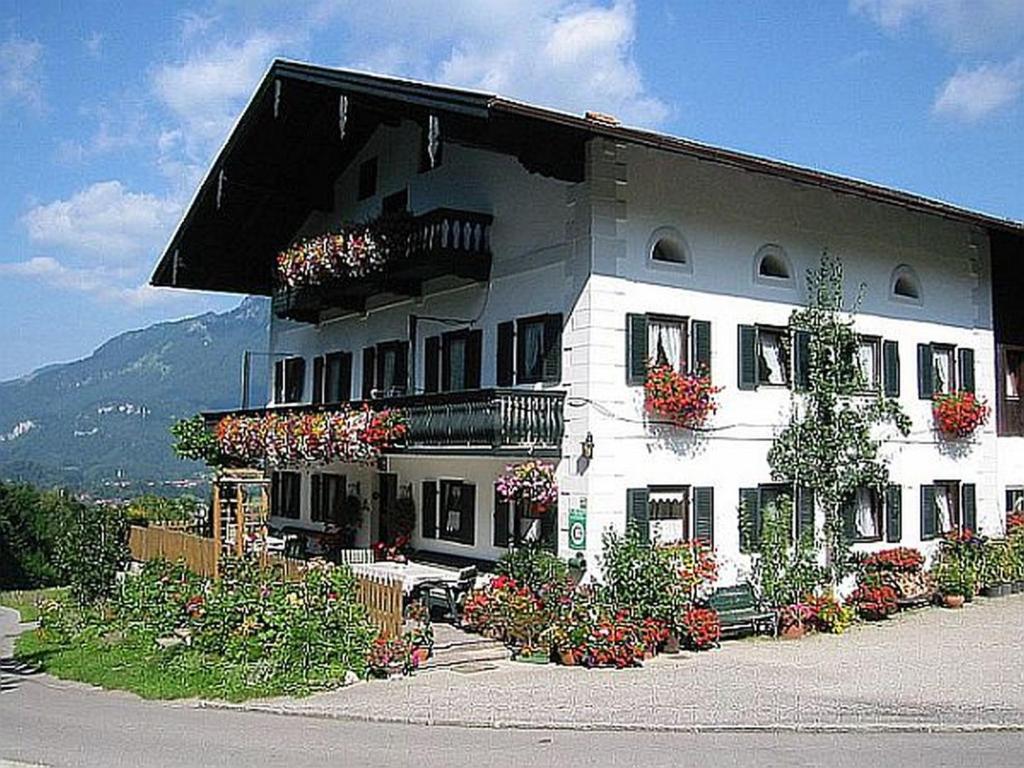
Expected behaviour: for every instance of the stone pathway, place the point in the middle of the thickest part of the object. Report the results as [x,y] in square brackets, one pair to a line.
[928,669]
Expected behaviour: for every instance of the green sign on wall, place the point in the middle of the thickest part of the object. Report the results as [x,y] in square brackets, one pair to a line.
[578,525]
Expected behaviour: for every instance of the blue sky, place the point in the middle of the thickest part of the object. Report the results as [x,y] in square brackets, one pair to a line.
[110,111]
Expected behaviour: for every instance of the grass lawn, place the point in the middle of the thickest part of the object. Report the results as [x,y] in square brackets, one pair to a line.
[152,673]
[24,601]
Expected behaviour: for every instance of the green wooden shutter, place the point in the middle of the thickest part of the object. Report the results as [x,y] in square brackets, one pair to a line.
[638,512]
[747,357]
[474,351]
[802,360]
[636,349]
[467,521]
[428,527]
[848,514]
[750,520]
[318,380]
[965,364]
[402,367]
[929,522]
[804,510]
[316,503]
[501,515]
[700,331]
[279,381]
[893,513]
[925,372]
[704,514]
[369,371]
[969,506]
[891,368]
[431,369]
[506,350]
[551,367]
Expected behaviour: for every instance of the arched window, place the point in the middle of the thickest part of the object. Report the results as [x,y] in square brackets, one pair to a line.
[772,266]
[905,285]
[667,246]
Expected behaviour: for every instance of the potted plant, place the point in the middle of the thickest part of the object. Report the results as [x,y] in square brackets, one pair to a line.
[531,484]
[874,602]
[793,620]
[685,399]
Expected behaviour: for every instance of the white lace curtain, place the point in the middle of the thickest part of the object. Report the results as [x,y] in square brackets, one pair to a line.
[866,521]
[772,370]
[665,343]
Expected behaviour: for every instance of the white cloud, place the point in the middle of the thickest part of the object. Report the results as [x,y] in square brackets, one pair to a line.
[205,91]
[104,220]
[973,94]
[105,284]
[964,25]
[21,78]
[571,55]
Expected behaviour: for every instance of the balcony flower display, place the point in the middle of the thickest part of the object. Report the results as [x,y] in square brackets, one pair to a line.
[354,251]
[529,482]
[686,399]
[315,438]
[959,414]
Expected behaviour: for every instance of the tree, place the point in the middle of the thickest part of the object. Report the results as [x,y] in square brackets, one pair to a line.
[832,442]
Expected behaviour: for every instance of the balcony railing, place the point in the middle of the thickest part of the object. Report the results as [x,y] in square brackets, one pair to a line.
[440,242]
[481,421]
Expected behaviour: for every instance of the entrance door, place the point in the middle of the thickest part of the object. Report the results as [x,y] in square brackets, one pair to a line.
[387,495]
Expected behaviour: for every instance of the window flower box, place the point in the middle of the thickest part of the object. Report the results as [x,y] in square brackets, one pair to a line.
[685,399]
[959,414]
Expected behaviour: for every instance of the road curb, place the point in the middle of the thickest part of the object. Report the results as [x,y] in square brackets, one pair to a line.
[879,727]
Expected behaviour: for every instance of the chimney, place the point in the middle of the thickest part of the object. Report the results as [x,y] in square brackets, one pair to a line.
[602,117]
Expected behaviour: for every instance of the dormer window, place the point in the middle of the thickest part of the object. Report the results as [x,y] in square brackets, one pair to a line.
[771,266]
[905,285]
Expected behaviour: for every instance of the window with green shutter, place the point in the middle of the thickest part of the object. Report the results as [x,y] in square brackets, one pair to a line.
[891,368]
[929,516]
[925,372]
[704,514]
[969,507]
[428,507]
[679,342]
[750,520]
[801,360]
[893,513]
[965,367]
[804,511]
[637,511]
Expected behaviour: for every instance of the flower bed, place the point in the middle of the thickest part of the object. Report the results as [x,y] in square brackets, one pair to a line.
[702,628]
[959,414]
[685,399]
[902,569]
[319,438]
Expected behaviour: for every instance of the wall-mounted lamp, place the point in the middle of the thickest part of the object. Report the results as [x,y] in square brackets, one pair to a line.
[587,447]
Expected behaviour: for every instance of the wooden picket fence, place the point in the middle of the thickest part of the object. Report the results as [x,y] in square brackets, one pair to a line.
[381,597]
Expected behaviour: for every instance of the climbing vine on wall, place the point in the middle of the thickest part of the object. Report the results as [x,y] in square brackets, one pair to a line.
[832,443]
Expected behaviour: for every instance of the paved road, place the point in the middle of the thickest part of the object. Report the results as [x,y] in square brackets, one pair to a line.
[43,722]
[51,723]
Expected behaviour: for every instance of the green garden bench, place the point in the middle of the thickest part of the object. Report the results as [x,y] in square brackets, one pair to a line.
[739,613]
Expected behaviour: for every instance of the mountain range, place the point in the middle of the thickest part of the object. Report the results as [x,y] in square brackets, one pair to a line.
[100,424]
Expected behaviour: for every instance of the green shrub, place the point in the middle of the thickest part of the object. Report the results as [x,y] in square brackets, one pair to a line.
[533,566]
[256,630]
[27,536]
[785,572]
[644,577]
[91,548]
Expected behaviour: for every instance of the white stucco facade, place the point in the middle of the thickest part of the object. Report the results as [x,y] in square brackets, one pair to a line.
[584,250]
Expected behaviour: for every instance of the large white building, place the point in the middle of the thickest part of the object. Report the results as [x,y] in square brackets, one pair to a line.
[552,255]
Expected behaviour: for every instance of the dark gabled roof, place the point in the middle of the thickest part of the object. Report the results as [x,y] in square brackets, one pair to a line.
[281,159]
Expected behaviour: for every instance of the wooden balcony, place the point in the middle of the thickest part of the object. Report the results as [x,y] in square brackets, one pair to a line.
[440,242]
[475,422]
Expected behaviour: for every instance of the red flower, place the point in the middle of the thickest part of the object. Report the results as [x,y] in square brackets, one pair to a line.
[687,399]
[959,414]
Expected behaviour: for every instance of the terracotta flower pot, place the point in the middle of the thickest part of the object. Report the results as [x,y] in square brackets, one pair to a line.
[671,644]
[420,654]
[953,601]
[568,658]
[792,632]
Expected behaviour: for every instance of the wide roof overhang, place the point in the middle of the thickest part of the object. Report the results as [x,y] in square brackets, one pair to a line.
[284,155]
